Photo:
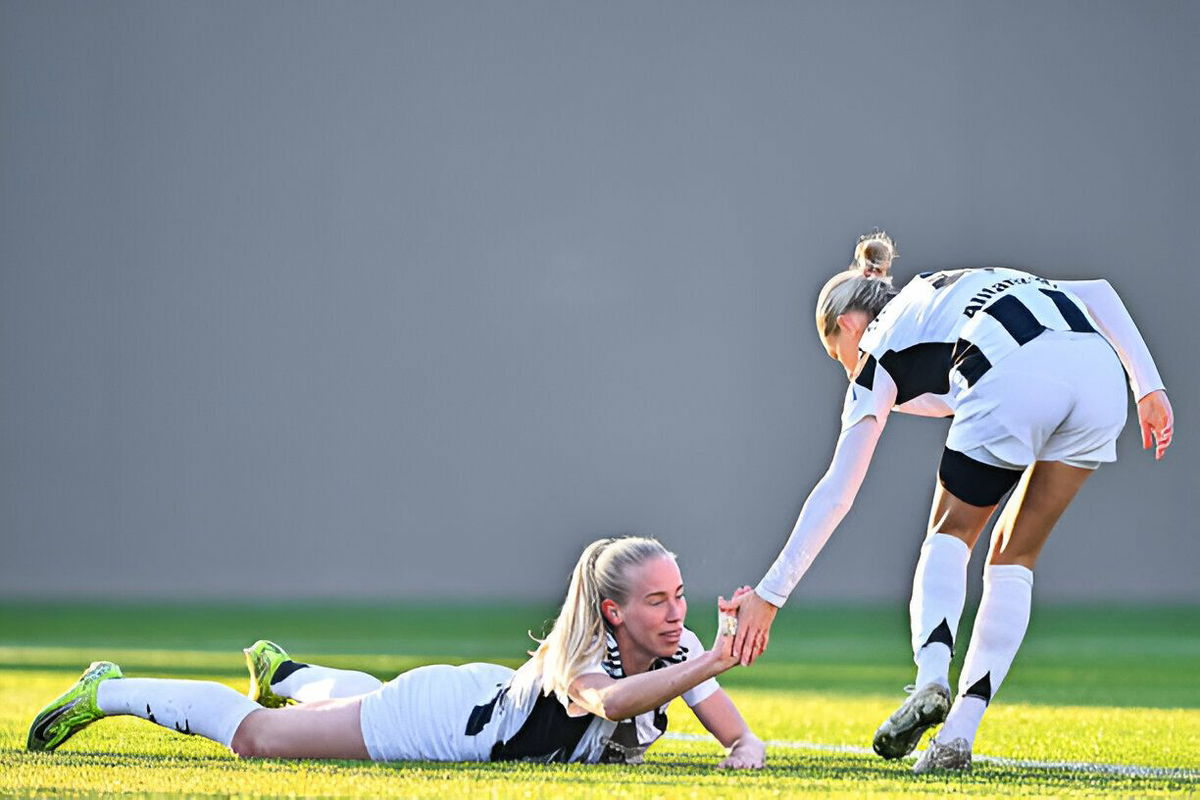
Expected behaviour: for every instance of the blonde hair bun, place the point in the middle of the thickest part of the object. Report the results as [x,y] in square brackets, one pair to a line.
[874,253]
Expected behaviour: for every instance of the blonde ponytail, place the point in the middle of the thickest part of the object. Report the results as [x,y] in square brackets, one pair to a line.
[577,638]
[865,286]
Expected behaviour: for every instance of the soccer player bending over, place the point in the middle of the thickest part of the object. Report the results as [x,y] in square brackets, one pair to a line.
[1027,368]
[595,690]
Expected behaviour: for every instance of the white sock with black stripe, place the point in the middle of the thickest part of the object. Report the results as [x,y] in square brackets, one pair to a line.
[205,708]
[999,629]
[939,591]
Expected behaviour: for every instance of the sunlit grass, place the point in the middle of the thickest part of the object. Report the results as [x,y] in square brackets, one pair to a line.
[805,692]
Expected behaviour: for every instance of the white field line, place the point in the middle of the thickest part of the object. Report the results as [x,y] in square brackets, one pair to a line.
[1133,770]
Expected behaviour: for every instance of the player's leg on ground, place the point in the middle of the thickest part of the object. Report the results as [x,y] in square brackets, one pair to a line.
[310,683]
[939,591]
[276,678]
[204,708]
[329,729]
[1003,616]
[325,729]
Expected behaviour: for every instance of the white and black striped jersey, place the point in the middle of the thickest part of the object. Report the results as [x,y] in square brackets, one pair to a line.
[945,330]
[531,725]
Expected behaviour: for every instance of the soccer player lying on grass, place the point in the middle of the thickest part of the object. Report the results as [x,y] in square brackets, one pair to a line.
[595,690]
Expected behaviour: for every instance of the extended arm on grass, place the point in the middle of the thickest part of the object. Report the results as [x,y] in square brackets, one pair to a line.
[721,718]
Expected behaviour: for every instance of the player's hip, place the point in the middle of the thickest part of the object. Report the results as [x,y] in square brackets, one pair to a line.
[423,714]
[1060,397]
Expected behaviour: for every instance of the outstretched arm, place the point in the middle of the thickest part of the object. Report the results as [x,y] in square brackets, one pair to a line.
[621,699]
[1154,409]
[827,504]
[721,718]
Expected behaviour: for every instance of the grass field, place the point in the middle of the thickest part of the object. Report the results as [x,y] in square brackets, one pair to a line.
[1098,687]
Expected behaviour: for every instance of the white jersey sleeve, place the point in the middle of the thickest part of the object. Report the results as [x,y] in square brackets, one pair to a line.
[872,393]
[690,647]
[828,503]
[1110,314]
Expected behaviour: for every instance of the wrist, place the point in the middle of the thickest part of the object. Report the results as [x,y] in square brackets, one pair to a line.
[747,739]
[768,596]
[713,663]
[1142,394]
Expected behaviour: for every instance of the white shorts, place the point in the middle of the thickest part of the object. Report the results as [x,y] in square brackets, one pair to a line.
[422,714]
[1060,397]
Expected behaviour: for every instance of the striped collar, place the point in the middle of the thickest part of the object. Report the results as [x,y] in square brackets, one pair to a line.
[612,657]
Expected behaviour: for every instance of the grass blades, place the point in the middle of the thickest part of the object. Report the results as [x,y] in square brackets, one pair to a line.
[1091,685]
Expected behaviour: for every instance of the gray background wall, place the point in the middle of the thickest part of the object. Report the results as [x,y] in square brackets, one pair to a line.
[413,299]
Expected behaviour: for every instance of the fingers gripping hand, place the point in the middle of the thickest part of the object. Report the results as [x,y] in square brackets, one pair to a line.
[727,625]
[755,616]
[733,608]
[1157,422]
[730,606]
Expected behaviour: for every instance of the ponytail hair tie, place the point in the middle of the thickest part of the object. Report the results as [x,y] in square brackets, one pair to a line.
[873,254]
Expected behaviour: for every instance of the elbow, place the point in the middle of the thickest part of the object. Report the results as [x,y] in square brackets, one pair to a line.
[617,705]
[1101,288]
[614,709]
[841,507]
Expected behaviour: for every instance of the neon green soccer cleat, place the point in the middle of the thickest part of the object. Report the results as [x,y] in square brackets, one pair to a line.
[262,659]
[72,712]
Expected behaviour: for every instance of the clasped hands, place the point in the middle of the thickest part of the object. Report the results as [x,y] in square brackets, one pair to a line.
[754,617]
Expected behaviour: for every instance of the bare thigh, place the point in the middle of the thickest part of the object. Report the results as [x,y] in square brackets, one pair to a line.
[1033,509]
[328,729]
[957,518]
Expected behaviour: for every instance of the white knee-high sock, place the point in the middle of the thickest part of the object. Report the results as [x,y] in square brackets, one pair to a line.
[307,683]
[939,590]
[999,629]
[205,708]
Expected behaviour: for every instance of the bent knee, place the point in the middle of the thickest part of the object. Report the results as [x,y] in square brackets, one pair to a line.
[246,746]
[253,739]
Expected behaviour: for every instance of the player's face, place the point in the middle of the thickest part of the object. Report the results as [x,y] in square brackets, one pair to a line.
[654,612]
[842,345]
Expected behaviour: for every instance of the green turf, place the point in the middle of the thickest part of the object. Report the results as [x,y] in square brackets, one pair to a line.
[1100,685]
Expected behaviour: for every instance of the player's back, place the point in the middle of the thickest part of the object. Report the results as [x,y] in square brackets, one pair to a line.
[944,329]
